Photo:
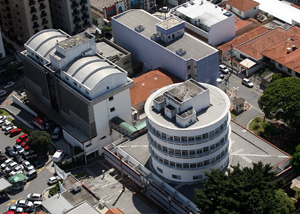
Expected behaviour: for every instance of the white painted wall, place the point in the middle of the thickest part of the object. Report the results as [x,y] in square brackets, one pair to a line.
[247,14]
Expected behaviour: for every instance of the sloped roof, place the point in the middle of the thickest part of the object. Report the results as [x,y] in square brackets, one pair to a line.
[243,38]
[146,83]
[114,211]
[240,23]
[255,47]
[280,53]
[242,5]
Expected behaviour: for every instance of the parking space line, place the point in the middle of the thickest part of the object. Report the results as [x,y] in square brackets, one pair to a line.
[12,201]
[39,170]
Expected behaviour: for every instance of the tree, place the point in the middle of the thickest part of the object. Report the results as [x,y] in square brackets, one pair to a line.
[276,76]
[284,202]
[281,100]
[295,160]
[39,141]
[95,21]
[246,190]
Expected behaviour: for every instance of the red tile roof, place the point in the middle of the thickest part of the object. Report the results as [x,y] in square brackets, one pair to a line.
[146,83]
[255,47]
[240,23]
[284,54]
[114,211]
[243,38]
[242,5]
[296,6]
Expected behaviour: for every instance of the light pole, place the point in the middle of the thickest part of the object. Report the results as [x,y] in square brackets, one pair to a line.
[236,89]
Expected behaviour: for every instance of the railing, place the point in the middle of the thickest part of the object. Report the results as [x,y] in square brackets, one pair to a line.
[74,5]
[84,17]
[84,9]
[76,20]
[33,10]
[43,14]
[83,2]
[44,22]
[31,3]
[75,12]
[34,18]
[42,6]
[35,26]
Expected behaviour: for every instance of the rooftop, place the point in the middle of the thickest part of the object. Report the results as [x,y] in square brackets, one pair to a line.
[219,106]
[195,48]
[208,13]
[243,38]
[148,82]
[242,5]
[83,208]
[44,41]
[285,54]
[75,40]
[57,204]
[169,23]
[256,46]
[240,23]
[105,49]
[99,5]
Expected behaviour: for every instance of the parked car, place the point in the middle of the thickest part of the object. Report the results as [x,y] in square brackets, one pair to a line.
[37,164]
[24,203]
[164,9]
[15,209]
[18,169]
[221,75]
[9,84]
[8,129]
[55,136]
[27,165]
[25,155]
[223,69]
[37,203]
[2,117]
[53,180]
[5,163]
[10,167]
[22,138]
[26,148]
[24,143]
[31,175]
[15,132]
[247,82]
[10,151]
[18,159]
[18,149]
[3,158]
[6,125]
[34,197]
[56,130]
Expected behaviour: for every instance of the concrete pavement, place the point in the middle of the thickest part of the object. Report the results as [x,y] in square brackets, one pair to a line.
[246,117]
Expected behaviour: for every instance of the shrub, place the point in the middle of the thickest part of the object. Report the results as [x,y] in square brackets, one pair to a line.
[1,111]
[27,131]
[276,77]
[256,126]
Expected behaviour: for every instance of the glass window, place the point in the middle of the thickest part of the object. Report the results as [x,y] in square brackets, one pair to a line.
[183,139]
[110,98]
[185,152]
[212,146]
[112,109]
[216,130]
[193,165]
[170,137]
[165,149]
[163,135]
[166,161]
[218,144]
[176,177]
[108,12]
[171,150]
[192,152]
[186,165]
[177,152]
[206,162]
[159,146]
[197,177]
[205,135]
[112,11]
[222,140]
[172,163]
[198,137]
[199,151]
[160,170]
[205,149]
[160,159]
[176,138]
[199,164]
[213,160]
[155,143]
[191,138]
[211,134]
[218,156]
[221,127]
[158,133]
[179,165]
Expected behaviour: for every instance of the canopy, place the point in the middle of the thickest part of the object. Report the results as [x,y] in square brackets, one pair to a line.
[4,184]
[17,178]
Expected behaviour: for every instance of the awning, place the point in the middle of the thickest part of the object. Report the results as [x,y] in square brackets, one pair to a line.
[124,125]
[17,178]
[248,63]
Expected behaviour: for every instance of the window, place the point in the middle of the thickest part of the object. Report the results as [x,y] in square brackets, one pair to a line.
[205,149]
[191,138]
[213,160]
[211,134]
[230,7]
[212,146]
[86,91]
[159,146]
[199,151]
[198,137]
[183,139]
[240,12]
[160,159]
[107,87]
[192,152]
[177,151]
[186,165]
[169,37]
[206,162]
[199,164]
[189,67]
[163,135]
[254,8]
[216,130]
[166,161]
[279,65]
[197,177]
[171,151]
[289,70]
[165,149]
[102,137]
[205,135]
[108,12]
[176,177]
[185,152]
[176,138]
[75,83]
[112,109]
[160,170]
[172,163]
[111,98]
[193,165]
[112,11]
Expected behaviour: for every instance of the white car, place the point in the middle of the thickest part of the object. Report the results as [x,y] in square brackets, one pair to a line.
[53,180]
[6,125]
[7,130]
[24,203]
[11,166]
[223,69]
[19,149]
[56,130]
[2,117]
[15,209]
[37,203]
[17,170]
[34,197]
[5,163]
[9,84]
[164,9]
[247,82]
[28,166]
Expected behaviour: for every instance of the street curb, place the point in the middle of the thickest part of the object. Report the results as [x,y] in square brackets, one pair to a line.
[251,121]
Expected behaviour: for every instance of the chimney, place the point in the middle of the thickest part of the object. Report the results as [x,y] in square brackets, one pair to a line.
[289,50]
[294,47]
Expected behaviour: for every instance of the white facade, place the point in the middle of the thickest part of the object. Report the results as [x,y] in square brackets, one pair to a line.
[2,51]
[217,24]
[251,13]
[183,150]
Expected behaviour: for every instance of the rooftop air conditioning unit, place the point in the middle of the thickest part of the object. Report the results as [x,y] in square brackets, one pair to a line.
[76,187]
[139,28]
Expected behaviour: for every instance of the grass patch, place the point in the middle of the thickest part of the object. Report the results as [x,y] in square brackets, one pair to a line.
[232,115]
[4,112]
[54,190]
[256,125]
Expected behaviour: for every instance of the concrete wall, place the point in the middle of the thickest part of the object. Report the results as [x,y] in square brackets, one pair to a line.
[196,29]
[2,51]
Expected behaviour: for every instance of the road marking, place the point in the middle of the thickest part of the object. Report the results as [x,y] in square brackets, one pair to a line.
[3,98]
[39,170]
[12,201]
[239,81]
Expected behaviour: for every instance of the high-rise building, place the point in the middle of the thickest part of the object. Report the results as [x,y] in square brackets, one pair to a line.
[71,16]
[188,130]
[2,51]
[20,19]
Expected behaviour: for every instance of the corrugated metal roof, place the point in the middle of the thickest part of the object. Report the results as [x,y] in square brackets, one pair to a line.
[57,204]
[124,125]
[4,184]
[141,125]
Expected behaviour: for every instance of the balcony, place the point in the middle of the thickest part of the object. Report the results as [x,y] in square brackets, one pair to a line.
[41,0]
[75,12]
[74,5]
[31,3]
[34,18]
[43,14]
[82,2]
[86,24]
[44,22]
[33,10]
[84,9]
[78,27]
[42,6]
[76,20]
[85,16]
[35,26]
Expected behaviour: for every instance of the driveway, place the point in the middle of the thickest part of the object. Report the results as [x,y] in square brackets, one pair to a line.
[245,118]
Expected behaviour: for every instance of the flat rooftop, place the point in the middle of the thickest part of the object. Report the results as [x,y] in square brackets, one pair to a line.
[246,148]
[75,40]
[106,50]
[208,13]
[195,49]
[169,23]
[219,106]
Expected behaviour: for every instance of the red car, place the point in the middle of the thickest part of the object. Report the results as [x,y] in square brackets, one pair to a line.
[15,132]
[26,148]
[24,143]
[22,138]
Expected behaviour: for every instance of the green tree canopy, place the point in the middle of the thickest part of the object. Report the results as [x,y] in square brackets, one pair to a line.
[247,190]
[39,141]
[281,100]
[295,160]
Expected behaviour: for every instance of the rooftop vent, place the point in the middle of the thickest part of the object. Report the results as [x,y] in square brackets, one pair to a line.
[289,50]
[76,187]
[227,14]
[181,52]
[192,3]
[294,47]
[139,28]
[185,5]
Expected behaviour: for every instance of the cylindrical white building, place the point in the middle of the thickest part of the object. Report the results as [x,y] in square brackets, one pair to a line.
[188,130]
